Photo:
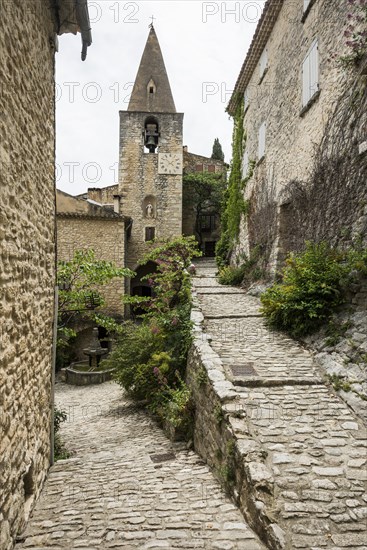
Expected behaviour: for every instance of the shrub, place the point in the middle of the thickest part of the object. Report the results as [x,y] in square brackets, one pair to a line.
[244,274]
[230,275]
[131,357]
[312,287]
[150,357]
[177,408]
[60,451]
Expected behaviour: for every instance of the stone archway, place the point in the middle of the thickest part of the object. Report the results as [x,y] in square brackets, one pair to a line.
[139,287]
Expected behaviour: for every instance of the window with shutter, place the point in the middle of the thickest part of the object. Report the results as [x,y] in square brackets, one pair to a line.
[310,74]
[262,138]
[263,62]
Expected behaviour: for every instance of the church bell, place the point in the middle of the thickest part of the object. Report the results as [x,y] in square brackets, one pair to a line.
[151,144]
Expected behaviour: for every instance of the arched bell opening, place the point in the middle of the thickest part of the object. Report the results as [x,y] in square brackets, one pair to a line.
[151,134]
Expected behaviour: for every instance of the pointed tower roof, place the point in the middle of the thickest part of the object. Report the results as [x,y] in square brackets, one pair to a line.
[152,91]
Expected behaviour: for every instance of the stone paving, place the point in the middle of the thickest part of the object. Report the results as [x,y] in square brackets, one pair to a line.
[315,446]
[127,486]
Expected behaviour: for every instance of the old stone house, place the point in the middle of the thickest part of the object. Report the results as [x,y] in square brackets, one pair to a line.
[149,196]
[28,39]
[303,112]
[86,224]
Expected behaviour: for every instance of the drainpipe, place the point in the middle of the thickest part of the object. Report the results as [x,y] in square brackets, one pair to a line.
[81,8]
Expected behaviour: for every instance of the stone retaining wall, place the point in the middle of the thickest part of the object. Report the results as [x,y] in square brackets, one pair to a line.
[220,438]
[289,451]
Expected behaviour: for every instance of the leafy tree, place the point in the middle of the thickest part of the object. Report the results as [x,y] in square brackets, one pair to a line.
[217,153]
[80,282]
[205,193]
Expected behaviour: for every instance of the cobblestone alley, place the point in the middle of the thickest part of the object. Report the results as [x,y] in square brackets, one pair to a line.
[128,486]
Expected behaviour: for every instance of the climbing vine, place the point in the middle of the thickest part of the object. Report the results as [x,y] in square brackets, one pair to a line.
[234,205]
[355,32]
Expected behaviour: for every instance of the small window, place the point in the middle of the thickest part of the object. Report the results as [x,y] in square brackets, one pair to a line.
[199,168]
[207,222]
[149,233]
[211,168]
[246,99]
[151,90]
[262,140]
[310,74]
[263,63]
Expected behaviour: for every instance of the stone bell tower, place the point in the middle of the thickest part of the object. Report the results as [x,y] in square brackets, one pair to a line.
[150,160]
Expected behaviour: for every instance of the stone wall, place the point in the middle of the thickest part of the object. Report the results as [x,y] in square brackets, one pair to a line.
[199,163]
[300,189]
[220,438]
[106,236]
[139,181]
[27,264]
[103,195]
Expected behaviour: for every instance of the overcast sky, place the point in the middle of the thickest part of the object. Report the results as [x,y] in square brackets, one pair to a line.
[203,44]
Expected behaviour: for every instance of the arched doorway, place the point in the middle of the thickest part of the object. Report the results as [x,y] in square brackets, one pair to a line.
[141,287]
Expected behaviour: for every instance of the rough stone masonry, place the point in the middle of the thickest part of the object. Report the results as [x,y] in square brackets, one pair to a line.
[289,450]
[27,257]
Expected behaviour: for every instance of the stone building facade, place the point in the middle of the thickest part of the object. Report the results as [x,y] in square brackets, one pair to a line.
[84,225]
[28,33]
[149,197]
[209,227]
[303,130]
[150,159]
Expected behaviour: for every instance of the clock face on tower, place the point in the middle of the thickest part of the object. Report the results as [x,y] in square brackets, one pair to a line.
[169,163]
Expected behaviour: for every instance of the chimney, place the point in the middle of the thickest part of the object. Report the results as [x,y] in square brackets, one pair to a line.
[116,203]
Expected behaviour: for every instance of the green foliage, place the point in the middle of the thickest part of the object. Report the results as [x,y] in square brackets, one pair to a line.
[150,357]
[231,275]
[313,285]
[218,414]
[250,173]
[60,452]
[80,280]
[80,283]
[247,272]
[176,407]
[339,383]
[201,377]
[204,191]
[234,206]
[217,153]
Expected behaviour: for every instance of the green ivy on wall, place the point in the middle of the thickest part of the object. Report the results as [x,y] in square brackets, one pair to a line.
[234,205]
